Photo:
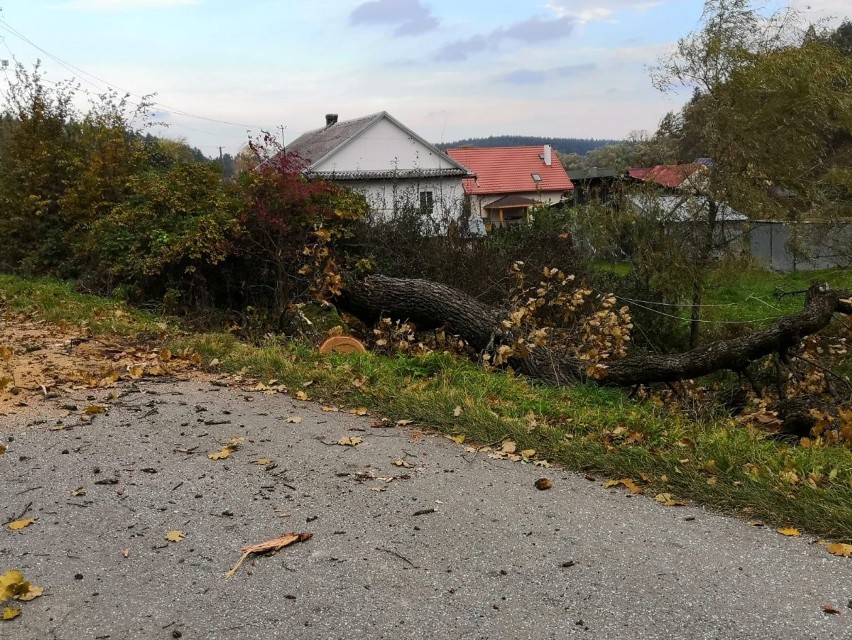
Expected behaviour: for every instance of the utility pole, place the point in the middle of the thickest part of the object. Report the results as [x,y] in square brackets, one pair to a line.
[282,127]
[222,163]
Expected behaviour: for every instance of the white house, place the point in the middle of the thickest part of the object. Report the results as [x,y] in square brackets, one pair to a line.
[388,163]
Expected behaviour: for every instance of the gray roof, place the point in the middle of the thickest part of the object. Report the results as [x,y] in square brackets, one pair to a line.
[390,174]
[315,146]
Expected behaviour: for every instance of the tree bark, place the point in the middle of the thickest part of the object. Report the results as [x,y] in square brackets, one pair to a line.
[429,305]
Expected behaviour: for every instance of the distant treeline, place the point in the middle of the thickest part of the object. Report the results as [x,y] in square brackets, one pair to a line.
[580,146]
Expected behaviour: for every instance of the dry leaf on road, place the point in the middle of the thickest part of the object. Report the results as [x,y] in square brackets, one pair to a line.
[10,613]
[175,535]
[837,548]
[627,483]
[17,525]
[790,531]
[12,584]
[352,441]
[294,420]
[276,544]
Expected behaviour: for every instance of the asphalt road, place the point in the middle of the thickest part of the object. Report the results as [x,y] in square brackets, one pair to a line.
[452,546]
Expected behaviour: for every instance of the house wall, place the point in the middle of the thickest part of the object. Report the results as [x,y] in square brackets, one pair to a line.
[384,147]
[387,197]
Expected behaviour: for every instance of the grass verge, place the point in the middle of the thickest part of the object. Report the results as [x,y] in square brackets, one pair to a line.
[719,464]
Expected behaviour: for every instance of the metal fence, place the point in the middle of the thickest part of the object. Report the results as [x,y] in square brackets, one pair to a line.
[800,246]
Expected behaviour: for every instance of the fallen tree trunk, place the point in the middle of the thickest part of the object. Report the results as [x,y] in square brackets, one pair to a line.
[429,304]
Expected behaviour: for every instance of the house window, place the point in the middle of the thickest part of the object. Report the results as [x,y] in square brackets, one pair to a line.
[427,203]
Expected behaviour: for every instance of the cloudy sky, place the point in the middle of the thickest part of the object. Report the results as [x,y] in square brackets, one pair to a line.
[449,69]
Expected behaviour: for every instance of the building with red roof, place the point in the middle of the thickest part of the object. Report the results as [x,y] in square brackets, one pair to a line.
[510,181]
[670,176]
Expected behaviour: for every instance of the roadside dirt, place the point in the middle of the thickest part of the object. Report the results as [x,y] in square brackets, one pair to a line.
[42,365]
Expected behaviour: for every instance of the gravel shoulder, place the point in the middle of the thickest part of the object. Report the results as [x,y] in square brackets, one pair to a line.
[448,545]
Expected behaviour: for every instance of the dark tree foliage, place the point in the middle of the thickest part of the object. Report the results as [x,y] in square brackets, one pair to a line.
[579,146]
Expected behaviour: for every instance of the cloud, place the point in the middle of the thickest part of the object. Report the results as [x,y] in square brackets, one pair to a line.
[530,76]
[411,17]
[122,5]
[530,31]
[591,10]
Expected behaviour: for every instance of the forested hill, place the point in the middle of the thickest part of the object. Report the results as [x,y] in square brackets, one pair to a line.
[580,146]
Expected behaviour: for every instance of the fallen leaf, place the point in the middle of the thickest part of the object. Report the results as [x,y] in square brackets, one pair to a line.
[175,535]
[527,453]
[359,411]
[403,423]
[276,544]
[457,411]
[136,372]
[20,524]
[126,552]
[790,531]
[668,500]
[10,613]
[399,462]
[827,608]
[12,584]
[294,420]
[838,548]
[33,593]
[508,446]
[330,409]
[459,439]
[2,449]
[301,395]
[222,454]
[542,484]
[262,461]
[627,483]
[79,491]
[94,409]
[352,441]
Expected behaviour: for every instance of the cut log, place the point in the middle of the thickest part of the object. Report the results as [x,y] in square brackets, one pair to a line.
[429,305]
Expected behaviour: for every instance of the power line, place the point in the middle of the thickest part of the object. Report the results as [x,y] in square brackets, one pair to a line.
[78,72]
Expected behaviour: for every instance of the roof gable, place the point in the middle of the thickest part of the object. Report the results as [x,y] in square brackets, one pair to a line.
[511,170]
[346,150]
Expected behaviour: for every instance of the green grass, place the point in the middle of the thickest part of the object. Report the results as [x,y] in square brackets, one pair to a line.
[750,295]
[57,301]
[719,464]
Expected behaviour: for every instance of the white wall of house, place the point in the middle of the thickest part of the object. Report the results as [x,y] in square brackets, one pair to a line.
[384,147]
[385,197]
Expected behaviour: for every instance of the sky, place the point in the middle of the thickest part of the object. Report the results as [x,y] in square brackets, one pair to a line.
[222,70]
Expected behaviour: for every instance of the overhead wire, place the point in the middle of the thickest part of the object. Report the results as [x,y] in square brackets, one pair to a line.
[79,73]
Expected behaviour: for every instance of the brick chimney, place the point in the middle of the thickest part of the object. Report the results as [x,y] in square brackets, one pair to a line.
[330,119]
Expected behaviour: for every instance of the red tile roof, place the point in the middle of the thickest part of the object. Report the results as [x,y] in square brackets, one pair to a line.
[667,175]
[510,170]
